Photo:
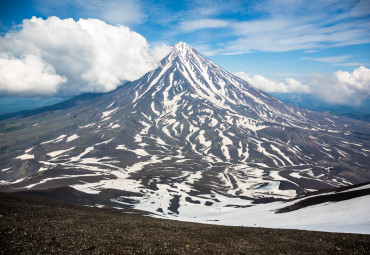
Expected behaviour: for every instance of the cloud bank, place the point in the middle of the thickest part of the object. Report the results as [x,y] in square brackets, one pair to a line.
[289,85]
[29,76]
[347,88]
[65,57]
[340,87]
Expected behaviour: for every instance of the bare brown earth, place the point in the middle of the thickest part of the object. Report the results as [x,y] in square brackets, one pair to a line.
[33,225]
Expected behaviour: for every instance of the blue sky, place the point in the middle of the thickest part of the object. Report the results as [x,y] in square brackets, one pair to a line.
[318,49]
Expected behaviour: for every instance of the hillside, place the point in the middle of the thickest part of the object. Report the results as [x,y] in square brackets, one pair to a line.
[32,225]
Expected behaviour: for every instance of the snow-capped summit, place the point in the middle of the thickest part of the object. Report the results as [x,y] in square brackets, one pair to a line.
[185,70]
[181,52]
[188,136]
[182,47]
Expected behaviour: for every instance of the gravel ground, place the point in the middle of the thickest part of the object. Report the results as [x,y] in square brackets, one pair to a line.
[32,225]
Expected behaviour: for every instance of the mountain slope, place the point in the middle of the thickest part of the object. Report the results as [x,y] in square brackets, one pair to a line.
[186,135]
[59,227]
[59,106]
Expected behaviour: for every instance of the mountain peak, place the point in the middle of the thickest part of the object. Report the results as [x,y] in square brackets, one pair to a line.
[181,46]
[182,49]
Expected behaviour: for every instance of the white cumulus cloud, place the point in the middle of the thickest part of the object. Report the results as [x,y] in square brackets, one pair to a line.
[359,79]
[340,87]
[289,85]
[29,75]
[349,88]
[87,55]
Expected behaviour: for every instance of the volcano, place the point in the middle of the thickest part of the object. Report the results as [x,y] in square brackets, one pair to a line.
[185,140]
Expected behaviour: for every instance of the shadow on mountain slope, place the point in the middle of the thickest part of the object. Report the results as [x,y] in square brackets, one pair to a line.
[321,196]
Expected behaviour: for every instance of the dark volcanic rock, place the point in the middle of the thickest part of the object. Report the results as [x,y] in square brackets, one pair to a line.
[31,225]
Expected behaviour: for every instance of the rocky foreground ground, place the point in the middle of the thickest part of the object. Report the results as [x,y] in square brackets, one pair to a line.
[33,225]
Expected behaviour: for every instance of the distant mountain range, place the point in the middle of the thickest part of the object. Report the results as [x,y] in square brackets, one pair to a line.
[188,139]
